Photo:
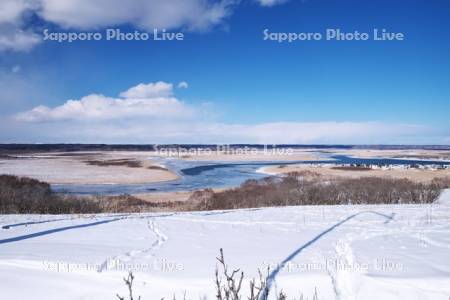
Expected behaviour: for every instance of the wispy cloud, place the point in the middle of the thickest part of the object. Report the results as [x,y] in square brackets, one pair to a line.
[151,113]
[271,2]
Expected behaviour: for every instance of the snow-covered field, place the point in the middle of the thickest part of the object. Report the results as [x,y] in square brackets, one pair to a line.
[345,252]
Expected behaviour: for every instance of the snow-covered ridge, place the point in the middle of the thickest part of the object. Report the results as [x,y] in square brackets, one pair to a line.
[346,252]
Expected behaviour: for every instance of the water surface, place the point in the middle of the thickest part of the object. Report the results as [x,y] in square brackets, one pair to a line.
[196,175]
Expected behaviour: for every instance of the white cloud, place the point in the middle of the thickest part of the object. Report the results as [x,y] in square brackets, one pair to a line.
[12,35]
[149,90]
[192,15]
[14,39]
[183,85]
[11,10]
[269,3]
[152,100]
[145,14]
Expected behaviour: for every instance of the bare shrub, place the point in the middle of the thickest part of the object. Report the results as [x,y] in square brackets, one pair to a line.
[200,198]
[21,195]
[129,283]
[231,289]
[442,182]
[307,188]
[123,204]
[132,204]
[228,285]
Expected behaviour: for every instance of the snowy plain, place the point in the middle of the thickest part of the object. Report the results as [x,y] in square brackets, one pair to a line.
[343,252]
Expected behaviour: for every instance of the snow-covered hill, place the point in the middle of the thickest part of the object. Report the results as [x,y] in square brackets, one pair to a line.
[345,252]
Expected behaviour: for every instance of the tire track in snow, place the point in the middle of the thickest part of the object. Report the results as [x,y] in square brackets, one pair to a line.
[71,218]
[8,226]
[341,275]
[274,273]
[55,230]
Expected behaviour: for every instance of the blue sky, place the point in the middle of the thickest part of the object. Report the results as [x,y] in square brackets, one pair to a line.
[240,87]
